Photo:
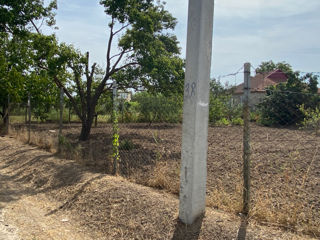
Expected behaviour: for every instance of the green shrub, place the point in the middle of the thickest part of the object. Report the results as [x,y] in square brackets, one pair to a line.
[128,112]
[237,121]
[254,116]
[223,122]
[281,105]
[220,104]
[158,108]
[311,119]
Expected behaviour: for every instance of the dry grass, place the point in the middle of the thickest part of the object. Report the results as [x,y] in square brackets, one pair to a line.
[111,207]
[43,140]
[287,209]
[284,175]
[221,199]
[166,177]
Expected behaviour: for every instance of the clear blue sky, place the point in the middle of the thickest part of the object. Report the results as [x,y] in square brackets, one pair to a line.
[244,30]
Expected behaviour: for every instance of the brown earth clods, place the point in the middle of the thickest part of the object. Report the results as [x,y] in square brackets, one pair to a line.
[285,180]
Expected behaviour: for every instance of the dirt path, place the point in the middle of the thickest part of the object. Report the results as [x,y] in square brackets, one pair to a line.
[7,232]
[24,215]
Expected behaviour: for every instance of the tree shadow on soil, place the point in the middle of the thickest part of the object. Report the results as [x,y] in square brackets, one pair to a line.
[44,174]
[188,232]
[72,199]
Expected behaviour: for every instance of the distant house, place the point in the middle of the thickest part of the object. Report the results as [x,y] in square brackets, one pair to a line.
[259,83]
[126,96]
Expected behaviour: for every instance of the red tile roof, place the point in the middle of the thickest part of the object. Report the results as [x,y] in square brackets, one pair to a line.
[263,80]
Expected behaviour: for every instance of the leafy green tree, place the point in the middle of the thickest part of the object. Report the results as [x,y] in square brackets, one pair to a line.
[17,20]
[281,106]
[148,57]
[158,108]
[270,66]
[11,76]
[220,106]
[16,16]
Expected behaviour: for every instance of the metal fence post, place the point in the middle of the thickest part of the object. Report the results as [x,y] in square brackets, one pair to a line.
[115,134]
[61,112]
[29,117]
[246,140]
[8,116]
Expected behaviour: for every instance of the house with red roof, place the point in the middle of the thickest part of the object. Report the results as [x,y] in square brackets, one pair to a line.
[259,83]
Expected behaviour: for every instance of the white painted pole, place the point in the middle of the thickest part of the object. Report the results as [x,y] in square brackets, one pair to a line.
[193,173]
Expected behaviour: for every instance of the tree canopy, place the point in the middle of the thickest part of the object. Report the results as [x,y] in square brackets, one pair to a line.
[269,66]
[17,16]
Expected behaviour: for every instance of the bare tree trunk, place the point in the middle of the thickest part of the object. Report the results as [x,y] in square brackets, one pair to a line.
[26,115]
[5,118]
[87,123]
[96,120]
[85,129]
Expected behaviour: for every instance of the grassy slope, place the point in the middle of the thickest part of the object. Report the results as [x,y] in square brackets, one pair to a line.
[112,207]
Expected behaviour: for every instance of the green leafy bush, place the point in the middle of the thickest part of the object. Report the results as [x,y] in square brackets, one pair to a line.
[220,106]
[237,121]
[158,108]
[222,122]
[311,119]
[281,106]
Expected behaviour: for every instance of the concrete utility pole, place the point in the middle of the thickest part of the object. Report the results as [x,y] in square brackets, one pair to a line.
[246,139]
[193,173]
[61,112]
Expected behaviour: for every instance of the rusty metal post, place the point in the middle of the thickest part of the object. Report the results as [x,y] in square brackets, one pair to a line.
[29,117]
[246,140]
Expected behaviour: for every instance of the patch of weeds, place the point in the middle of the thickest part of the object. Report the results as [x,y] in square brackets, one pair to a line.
[126,144]
[222,122]
[67,149]
[237,121]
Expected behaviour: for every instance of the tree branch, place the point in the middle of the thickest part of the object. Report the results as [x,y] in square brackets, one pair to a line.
[89,83]
[59,84]
[125,26]
[34,25]
[80,90]
[109,45]
[87,66]
[116,55]
[122,67]
[93,68]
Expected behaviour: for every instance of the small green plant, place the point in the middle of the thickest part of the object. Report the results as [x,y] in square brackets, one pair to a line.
[126,144]
[64,143]
[237,121]
[115,142]
[223,122]
[254,116]
[311,119]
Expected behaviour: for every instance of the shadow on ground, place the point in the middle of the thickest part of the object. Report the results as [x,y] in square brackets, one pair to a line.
[188,232]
